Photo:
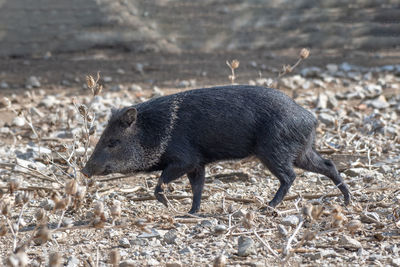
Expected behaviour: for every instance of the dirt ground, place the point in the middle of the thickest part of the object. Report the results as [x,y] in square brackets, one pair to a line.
[67,70]
[358,129]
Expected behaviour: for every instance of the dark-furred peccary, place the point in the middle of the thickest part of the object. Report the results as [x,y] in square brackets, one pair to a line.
[181,133]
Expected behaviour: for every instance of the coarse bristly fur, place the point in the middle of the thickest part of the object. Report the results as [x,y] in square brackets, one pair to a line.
[181,133]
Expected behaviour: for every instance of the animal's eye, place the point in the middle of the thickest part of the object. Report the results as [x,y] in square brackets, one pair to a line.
[113,142]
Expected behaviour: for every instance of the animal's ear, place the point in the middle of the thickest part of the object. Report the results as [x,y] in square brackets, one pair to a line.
[129,116]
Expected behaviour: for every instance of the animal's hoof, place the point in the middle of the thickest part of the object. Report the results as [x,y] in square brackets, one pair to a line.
[161,197]
[269,211]
[193,211]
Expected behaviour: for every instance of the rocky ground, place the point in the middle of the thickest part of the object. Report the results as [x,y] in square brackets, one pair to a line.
[47,216]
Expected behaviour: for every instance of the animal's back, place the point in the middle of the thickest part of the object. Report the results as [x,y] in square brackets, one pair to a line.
[228,122]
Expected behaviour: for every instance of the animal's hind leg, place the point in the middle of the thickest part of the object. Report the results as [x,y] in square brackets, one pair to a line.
[311,161]
[284,172]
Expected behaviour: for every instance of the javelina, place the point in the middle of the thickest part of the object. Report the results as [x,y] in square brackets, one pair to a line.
[181,133]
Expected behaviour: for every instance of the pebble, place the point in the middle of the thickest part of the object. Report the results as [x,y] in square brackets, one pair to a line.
[291,220]
[349,243]
[385,169]
[157,92]
[153,262]
[128,263]
[154,233]
[139,67]
[186,250]
[36,112]
[4,85]
[245,246]
[183,84]
[135,88]
[332,68]
[311,72]
[107,79]
[47,204]
[313,256]
[220,228]
[354,172]
[18,121]
[124,242]
[369,217]
[117,88]
[49,101]
[322,101]
[372,90]
[346,67]
[32,82]
[396,262]
[326,119]
[170,236]
[378,103]
[72,261]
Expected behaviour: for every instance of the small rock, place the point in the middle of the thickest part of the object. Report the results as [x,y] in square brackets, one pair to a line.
[153,262]
[65,83]
[332,68]
[128,263]
[378,103]
[107,79]
[139,67]
[170,236]
[291,220]
[370,217]
[346,67]
[322,101]
[117,88]
[245,246]
[186,250]
[356,76]
[4,85]
[47,204]
[206,223]
[332,101]
[349,243]
[135,88]
[396,262]
[72,261]
[173,264]
[154,233]
[120,71]
[183,84]
[313,256]
[32,82]
[282,230]
[354,172]
[326,119]
[49,101]
[385,169]
[372,90]
[157,92]
[306,85]
[35,111]
[220,228]
[311,72]
[124,242]
[18,121]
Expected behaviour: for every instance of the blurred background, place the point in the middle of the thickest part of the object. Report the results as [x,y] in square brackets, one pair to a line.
[168,41]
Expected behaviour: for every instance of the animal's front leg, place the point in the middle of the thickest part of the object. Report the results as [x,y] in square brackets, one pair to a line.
[172,172]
